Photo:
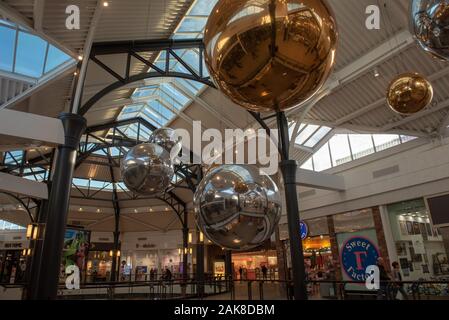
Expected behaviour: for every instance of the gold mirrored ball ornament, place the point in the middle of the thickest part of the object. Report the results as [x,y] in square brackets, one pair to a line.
[409,93]
[270,55]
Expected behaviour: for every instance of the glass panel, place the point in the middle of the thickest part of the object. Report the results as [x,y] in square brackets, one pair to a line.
[316,138]
[7,41]
[340,149]
[361,145]
[306,133]
[202,7]
[385,141]
[321,159]
[308,165]
[55,58]
[30,55]
[190,24]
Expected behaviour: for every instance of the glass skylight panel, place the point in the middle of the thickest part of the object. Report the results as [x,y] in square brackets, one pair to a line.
[7,40]
[27,54]
[308,165]
[306,133]
[202,7]
[55,58]
[30,56]
[175,93]
[322,159]
[361,145]
[386,141]
[317,137]
[192,24]
[340,150]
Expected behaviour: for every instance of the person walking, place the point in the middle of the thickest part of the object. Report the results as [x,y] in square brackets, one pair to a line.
[384,280]
[264,272]
[397,278]
[241,273]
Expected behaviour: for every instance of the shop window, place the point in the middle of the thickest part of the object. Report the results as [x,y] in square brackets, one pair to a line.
[420,248]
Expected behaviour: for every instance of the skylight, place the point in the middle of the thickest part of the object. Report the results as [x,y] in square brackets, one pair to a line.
[161,100]
[5,225]
[344,148]
[26,54]
[309,135]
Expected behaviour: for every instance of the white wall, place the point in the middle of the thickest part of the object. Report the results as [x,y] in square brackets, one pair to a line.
[422,170]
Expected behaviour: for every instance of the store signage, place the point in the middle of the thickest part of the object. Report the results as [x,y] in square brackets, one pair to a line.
[12,245]
[357,254]
[304,229]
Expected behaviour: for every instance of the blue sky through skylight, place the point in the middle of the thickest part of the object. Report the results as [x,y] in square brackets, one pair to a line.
[26,54]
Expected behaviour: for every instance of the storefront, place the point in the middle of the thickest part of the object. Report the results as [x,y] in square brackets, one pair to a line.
[99,262]
[12,258]
[249,265]
[420,248]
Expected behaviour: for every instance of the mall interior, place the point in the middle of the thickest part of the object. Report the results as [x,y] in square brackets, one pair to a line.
[98,100]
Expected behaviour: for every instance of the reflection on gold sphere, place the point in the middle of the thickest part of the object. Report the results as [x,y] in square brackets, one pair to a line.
[270,54]
[429,23]
[409,93]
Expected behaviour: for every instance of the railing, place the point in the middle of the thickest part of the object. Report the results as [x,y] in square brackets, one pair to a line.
[231,289]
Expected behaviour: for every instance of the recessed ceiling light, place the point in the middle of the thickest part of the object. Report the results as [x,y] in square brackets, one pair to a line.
[80,57]
[376,73]
[80,209]
[135,211]
[105,4]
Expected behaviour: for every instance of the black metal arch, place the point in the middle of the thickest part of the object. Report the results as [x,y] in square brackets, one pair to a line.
[118,84]
[132,50]
[32,219]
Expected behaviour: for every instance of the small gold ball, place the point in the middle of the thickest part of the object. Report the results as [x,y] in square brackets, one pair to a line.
[409,93]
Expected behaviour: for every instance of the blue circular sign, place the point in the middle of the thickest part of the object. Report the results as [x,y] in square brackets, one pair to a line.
[304,229]
[357,254]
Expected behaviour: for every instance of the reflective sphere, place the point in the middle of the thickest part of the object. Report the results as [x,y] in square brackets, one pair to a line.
[430,24]
[270,54]
[147,169]
[236,207]
[165,137]
[409,93]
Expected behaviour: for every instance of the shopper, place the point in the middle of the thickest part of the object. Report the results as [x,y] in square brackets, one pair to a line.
[397,278]
[241,273]
[384,279]
[264,272]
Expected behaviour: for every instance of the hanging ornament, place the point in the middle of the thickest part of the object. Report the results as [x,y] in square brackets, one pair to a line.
[147,169]
[236,207]
[409,93]
[430,25]
[270,55]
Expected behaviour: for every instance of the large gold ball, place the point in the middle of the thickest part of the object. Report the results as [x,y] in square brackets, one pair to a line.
[270,54]
[409,93]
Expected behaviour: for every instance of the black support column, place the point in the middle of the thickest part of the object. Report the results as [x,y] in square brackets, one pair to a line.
[288,169]
[116,233]
[48,261]
[185,245]
[200,264]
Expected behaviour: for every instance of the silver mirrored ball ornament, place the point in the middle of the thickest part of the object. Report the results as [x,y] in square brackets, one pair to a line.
[165,137]
[147,169]
[429,23]
[236,207]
